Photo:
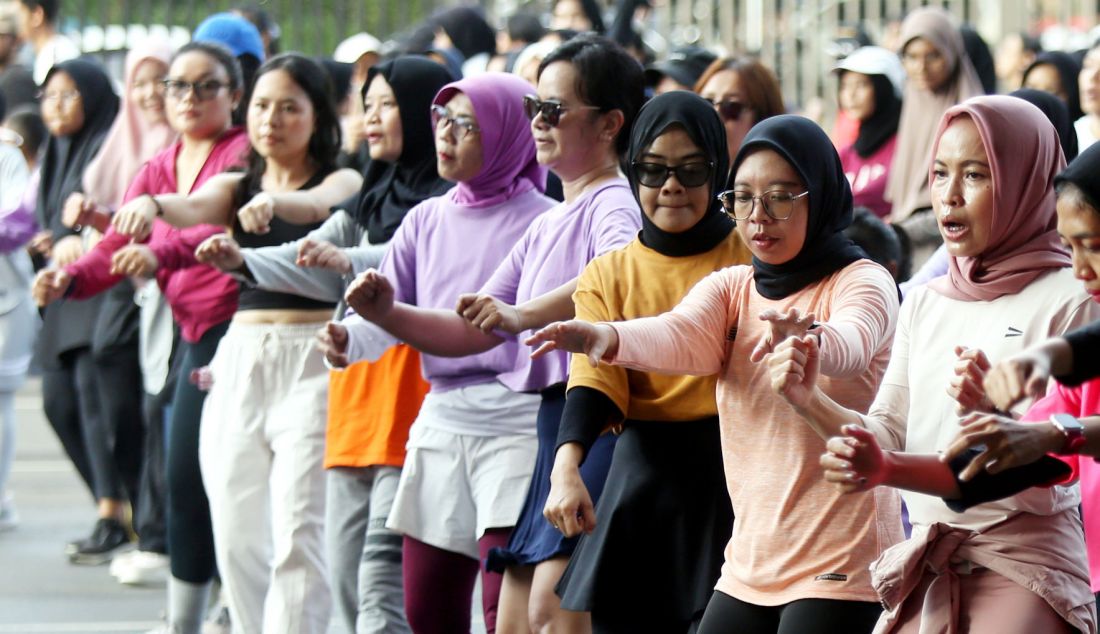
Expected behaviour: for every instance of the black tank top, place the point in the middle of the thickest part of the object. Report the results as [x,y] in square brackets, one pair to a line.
[281,232]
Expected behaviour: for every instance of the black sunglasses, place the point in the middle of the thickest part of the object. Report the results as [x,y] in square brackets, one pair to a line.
[728,110]
[694,174]
[551,111]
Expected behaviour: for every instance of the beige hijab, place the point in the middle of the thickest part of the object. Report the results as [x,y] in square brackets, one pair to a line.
[921,110]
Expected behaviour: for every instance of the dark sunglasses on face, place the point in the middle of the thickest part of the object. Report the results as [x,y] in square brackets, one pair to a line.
[728,110]
[694,174]
[551,111]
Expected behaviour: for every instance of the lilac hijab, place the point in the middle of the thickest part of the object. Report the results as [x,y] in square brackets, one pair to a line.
[508,148]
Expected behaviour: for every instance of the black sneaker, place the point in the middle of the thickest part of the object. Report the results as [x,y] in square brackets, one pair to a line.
[107,538]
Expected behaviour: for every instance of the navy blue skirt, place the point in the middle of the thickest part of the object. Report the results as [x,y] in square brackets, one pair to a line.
[533,539]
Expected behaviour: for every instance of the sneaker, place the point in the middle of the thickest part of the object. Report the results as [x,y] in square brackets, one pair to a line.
[140,567]
[106,539]
[9,519]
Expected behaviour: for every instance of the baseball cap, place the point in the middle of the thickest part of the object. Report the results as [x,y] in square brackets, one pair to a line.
[233,32]
[875,60]
[350,50]
[684,65]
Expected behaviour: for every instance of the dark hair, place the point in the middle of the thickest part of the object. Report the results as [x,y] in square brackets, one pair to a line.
[339,77]
[1071,190]
[526,27]
[324,144]
[1031,43]
[875,237]
[263,22]
[27,122]
[221,55]
[3,107]
[249,72]
[50,8]
[591,11]
[607,77]
[762,92]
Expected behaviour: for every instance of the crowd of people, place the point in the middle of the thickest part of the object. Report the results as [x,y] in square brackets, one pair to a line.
[620,337]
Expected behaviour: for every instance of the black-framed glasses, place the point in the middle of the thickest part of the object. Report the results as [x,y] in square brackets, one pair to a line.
[203,90]
[694,174]
[550,110]
[463,125]
[779,205]
[728,109]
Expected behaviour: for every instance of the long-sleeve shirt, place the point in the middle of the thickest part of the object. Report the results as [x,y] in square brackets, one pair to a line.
[17,227]
[200,296]
[796,536]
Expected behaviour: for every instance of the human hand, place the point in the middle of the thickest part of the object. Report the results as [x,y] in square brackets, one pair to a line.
[67,250]
[323,255]
[1008,443]
[595,340]
[370,295]
[49,286]
[487,313]
[41,243]
[332,341]
[794,367]
[221,252]
[966,386]
[1024,375]
[135,218]
[781,326]
[854,461]
[134,259]
[77,210]
[569,506]
[256,214]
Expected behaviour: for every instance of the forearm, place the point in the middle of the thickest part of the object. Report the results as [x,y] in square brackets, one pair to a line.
[826,417]
[442,333]
[183,211]
[301,207]
[557,305]
[922,473]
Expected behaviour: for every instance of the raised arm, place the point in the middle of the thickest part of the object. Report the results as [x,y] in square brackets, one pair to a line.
[299,207]
[210,204]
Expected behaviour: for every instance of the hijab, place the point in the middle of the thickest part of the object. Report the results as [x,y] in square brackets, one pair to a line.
[1024,158]
[981,57]
[390,189]
[507,145]
[1082,173]
[468,30]
[811,153]
[66,157]
[1058,115]
[907,183]
[882,125]
[132,140]
[1068,69]
[701,123]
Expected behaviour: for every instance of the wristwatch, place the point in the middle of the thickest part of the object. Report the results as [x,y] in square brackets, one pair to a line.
[1072,429]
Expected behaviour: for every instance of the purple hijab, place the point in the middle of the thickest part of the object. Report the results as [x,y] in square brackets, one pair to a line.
[507,146]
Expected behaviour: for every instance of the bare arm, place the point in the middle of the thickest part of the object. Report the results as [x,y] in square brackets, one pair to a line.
[210,204]
[487,313]
[854,461]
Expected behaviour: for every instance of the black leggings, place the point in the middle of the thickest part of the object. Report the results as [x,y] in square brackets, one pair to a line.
[726,615]
[190,537]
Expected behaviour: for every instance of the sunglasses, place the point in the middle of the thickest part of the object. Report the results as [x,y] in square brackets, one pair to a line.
[728,110]
[203,90]
[654,175]
[551,111]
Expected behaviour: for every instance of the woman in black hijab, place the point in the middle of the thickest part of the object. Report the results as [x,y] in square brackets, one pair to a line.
[1055,109]
[798,557]
[1056,72]
[88,349]
[669,448]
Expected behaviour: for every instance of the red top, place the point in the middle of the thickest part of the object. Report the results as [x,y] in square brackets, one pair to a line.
[868,176]
[200,296]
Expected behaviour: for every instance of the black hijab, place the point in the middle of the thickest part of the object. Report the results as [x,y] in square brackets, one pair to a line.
[1068,69]
[468,30]
[982,59]
[701,123]
[66,157]
[807,148]
[1082,173]
[1055,110]
[390,189]
[882,125]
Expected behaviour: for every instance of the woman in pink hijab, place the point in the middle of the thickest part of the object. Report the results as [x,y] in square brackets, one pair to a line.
[992,553]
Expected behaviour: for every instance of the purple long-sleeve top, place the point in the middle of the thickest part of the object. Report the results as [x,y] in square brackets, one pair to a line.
[17,226]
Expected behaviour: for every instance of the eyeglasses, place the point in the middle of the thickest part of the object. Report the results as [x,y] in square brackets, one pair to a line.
[728,109]
[779,205]
[551,111]
[203,90]
[693,174]
[65,97]
[462,125]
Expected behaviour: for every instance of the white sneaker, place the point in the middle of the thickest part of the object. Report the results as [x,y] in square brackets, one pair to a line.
[9,518]
[139,567]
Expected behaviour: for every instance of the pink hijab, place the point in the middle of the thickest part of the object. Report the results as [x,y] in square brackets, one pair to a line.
[1024,156]
[131,141]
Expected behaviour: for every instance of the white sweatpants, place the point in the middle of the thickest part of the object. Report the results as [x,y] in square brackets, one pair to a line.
[261,448]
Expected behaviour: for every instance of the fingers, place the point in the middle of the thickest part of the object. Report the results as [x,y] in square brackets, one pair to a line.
[549,347]
[339,335]
[305,250]
[464,302]
[1036,385]
[979,463]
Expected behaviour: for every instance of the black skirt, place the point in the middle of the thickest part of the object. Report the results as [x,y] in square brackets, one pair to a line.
[662,525]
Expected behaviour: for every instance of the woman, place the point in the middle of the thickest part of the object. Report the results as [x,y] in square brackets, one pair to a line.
[798,557]
[744,92]
[1088,83]
[87,348]
[1012,565]
[940,75]
[678,158]
[454,502]
[870,93]
[202,88]
[261,439]
[371,405]
[1056,72]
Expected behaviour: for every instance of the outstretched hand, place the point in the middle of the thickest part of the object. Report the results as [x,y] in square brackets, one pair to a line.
[1005,442]
[221,252]
[854,461]
[597,341]
[486,313]
[323,255]
[1018,377]
[781,326]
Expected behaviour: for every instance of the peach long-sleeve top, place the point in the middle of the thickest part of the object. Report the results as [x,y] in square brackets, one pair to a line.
[796,536]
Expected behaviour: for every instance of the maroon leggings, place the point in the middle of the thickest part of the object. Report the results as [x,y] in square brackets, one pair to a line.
[439,585]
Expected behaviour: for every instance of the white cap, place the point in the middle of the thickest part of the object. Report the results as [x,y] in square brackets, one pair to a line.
[350,50]
[875,60]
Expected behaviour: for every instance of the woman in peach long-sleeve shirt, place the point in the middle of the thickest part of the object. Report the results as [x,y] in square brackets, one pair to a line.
[799,554]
